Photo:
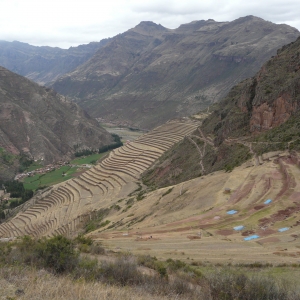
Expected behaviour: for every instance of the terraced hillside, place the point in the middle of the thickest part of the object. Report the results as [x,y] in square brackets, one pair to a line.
[211,218]
[63,209]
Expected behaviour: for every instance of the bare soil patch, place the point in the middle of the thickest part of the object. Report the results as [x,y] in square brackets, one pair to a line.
[266,232]
[258,207]
[268,240]
[76,174]
[280,215]
[248,232]
[225,232]
[194,237]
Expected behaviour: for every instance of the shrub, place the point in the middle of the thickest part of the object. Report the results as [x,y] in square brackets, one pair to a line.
[81,239]
[58,254]
[123,271]
[97,249]
[228,285]
[84,152]
[167,192]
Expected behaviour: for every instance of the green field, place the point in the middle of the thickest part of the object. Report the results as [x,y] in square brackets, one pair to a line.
[34,166]
[91,159]
[48,179]
[56,176]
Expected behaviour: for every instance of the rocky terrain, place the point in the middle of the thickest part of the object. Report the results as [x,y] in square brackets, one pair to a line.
[40,124]
[44,64]
[259,115]
[150,74]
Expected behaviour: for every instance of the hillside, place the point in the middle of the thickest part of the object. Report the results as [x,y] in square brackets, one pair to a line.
[39,124]
[150,74]
[189,221]
[44,64]
[259,115]
[67,206]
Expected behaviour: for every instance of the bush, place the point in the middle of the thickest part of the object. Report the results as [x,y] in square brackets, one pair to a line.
[228,285]
[124,271]
[97,249]
[167,192]
[117,143]
[81,239]
[58,254]
[84,152]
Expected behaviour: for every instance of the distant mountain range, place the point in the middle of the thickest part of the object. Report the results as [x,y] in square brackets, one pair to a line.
[44,64]
[40,124]
[149,74]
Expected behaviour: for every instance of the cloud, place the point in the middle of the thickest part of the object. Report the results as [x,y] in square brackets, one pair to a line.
[64,22]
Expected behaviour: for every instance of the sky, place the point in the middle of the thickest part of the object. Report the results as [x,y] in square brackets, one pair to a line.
[66,23]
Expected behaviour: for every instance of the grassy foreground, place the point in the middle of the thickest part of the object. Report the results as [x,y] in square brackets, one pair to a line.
[59,268]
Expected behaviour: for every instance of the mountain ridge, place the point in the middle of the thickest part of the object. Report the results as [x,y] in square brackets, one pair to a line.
[258,115]
[44,64]
[42,125]
[143,80]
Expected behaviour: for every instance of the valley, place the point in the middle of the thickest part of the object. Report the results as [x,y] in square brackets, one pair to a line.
[182,177]
[187,221]
[64,208]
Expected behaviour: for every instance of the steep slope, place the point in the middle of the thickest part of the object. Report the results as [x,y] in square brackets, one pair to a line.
[262,103]
[150,74]
[64,208]
[41,124]
[44,64]
[258,115]
[190,221]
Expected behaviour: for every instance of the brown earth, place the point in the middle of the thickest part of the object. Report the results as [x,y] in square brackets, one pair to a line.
[177,220]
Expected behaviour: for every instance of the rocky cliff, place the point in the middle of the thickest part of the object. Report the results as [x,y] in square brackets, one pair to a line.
[150,74]
[259,115]
[262,102]
[41,124]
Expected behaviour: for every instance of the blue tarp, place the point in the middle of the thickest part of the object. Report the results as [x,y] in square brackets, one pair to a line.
[268,201]
[239,227]
[232,212]
[283,229]
[251,237]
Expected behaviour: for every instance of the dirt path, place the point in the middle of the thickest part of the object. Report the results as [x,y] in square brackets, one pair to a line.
[206,141]
[202,153]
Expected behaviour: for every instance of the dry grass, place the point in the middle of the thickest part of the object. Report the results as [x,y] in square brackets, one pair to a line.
[173,218]
[29,283]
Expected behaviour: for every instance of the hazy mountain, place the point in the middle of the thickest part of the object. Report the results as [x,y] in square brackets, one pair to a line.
[150,74]
[44,64]
[41,124]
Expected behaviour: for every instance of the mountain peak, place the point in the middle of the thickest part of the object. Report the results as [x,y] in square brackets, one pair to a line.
[148,27]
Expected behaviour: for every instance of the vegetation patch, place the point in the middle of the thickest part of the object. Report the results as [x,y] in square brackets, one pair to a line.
[172,278]
[90,159]
[117,143]
[97,220]
[53,177]
[18,196]
[167,192]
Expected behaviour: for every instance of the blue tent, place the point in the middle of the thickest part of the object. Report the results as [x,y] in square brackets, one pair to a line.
[251,237]
[268,201]
[283,229]
[232,212]
[241,227]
